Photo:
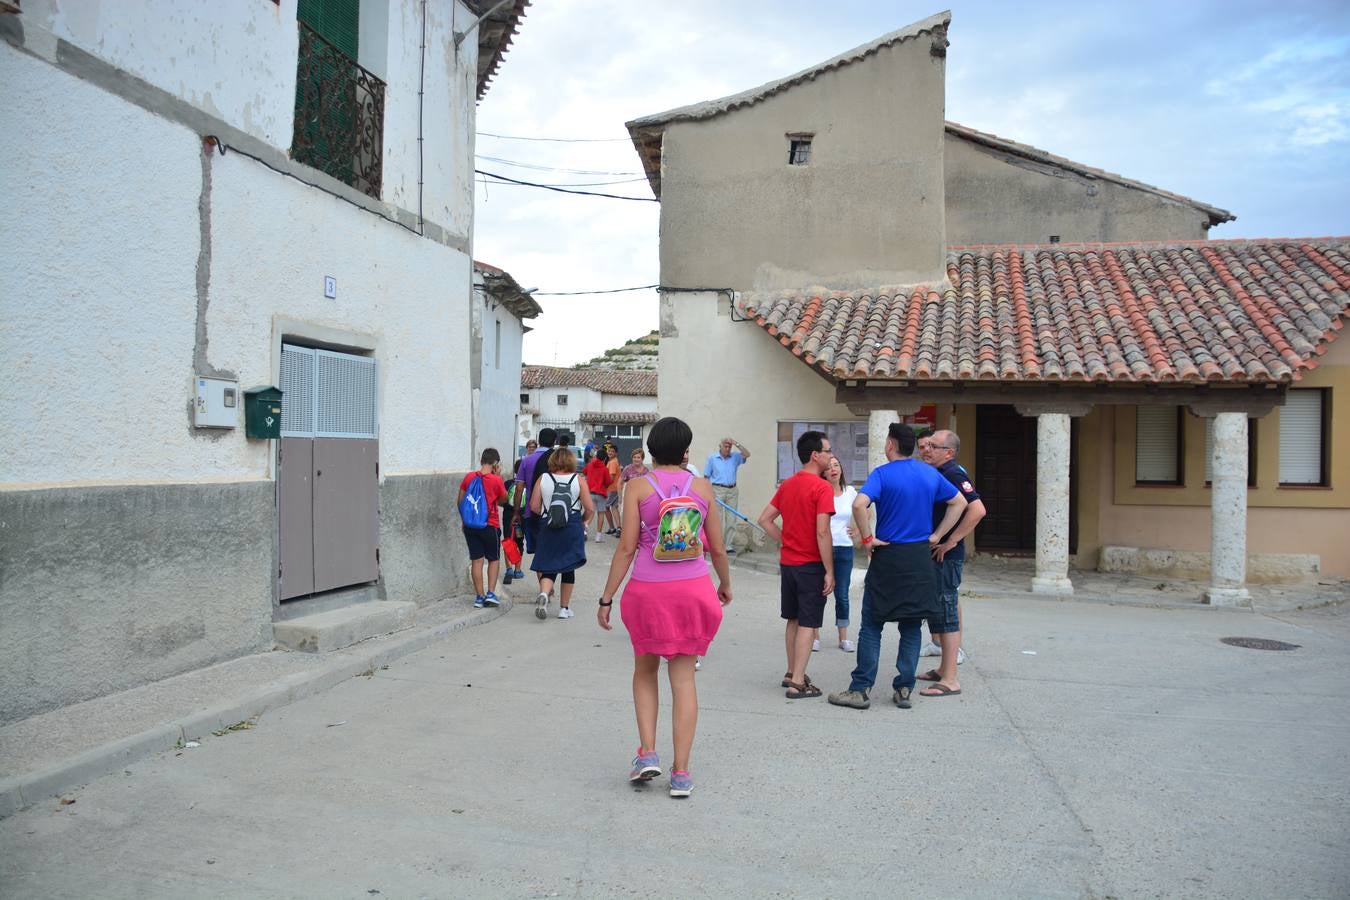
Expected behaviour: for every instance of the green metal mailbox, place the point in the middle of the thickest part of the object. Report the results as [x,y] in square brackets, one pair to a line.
[262,412]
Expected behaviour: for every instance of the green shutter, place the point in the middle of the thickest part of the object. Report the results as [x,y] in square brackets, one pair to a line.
[337,21]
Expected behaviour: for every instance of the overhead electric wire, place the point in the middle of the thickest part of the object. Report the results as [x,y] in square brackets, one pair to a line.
[561,190]
[512,137]
[570,184]
[641,287]
[521,165]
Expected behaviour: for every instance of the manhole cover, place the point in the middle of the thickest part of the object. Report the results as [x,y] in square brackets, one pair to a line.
[1257,643]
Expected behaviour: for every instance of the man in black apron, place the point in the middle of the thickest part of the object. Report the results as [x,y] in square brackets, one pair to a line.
[900,585]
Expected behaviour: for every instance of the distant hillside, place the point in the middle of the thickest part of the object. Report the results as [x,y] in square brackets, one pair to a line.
[641,353]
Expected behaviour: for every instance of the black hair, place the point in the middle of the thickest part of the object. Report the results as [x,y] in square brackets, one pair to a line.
[547,437]
[490,457]
[668,440]
[564,440]
[515,467]
[903,436]
[810,442]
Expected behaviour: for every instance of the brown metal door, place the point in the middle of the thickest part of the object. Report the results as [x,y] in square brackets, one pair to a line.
[346,512]
[1005,476]
[295,511]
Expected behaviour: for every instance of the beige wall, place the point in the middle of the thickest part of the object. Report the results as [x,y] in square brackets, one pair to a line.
[999,198]
[866,211]
[733,379]
[1279,519]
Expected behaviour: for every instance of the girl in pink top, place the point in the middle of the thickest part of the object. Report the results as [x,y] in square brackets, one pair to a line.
[670,609]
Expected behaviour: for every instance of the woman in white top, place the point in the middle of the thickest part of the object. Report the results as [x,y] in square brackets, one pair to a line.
[841,530]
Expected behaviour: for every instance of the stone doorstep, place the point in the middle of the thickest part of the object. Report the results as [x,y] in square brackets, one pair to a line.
[338,628]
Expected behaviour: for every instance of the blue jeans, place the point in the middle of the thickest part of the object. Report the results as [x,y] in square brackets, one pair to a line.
[843,575]
[869,651]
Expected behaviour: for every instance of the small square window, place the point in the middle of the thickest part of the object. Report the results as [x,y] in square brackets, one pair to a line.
[562,399]
[524,399]
[799,149]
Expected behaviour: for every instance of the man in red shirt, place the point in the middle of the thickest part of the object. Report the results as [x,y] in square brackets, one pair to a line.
[485,542]
[597,481]
[806,562]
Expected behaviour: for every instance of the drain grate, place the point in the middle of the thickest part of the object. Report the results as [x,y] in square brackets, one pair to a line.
[1258,643]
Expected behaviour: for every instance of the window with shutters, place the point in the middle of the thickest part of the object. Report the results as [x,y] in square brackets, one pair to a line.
[1303,438]
[1158,445]
[339,106]
[1251,452]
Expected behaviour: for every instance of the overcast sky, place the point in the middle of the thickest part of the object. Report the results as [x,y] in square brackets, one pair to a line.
[1239,104]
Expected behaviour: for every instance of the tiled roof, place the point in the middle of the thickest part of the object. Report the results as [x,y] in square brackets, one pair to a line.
[618,418]
[1216,215]
[494,36]
[646,132]
[1197,312]
[503,288]
[631,382]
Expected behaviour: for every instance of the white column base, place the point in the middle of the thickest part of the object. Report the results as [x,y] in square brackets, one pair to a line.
[1217,596]
[1052,585]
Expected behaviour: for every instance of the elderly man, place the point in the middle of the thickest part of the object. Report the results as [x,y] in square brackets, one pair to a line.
[949,558]
[721,471]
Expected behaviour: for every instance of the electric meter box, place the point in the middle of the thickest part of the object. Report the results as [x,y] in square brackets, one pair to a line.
[216,404]
[262,412]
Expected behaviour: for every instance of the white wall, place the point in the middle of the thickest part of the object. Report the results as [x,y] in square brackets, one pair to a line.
[627,403]
[237,61]
[579,400]
[99,295]
[499,391]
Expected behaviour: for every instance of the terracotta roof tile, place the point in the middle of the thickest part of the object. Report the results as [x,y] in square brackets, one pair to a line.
[630,382]
[1198,311]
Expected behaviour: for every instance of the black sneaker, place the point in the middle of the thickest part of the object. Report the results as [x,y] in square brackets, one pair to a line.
[901,698]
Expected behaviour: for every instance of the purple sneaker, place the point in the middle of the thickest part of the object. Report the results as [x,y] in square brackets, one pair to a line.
[646,766]
[681,785]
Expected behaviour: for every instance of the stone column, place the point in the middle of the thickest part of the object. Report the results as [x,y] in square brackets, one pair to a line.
[1052,505]
[1228,511]
[878,423]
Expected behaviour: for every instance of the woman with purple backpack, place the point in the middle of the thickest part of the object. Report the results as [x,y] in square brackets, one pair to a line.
[669,606]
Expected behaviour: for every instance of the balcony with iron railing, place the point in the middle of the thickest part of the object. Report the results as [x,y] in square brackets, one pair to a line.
[339,115]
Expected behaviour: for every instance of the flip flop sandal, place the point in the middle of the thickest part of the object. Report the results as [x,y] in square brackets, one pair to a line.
[930,675]
[803,690]
[939,690]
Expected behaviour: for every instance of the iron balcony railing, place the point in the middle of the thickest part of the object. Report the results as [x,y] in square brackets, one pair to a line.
[339,115]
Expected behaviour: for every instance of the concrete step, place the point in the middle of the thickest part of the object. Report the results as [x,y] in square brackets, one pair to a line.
[338,628]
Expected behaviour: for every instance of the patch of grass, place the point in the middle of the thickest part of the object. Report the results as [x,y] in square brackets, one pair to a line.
[244,725]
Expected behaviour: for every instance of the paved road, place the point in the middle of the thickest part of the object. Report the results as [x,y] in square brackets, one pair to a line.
[1132,755]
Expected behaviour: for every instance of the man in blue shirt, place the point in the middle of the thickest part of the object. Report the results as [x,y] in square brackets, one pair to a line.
[949,559]
[721,471]
[900,586]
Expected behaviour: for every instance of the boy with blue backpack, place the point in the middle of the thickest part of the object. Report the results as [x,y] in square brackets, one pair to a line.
[480,493]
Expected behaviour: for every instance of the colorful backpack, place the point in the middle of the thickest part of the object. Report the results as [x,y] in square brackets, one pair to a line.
[679,525]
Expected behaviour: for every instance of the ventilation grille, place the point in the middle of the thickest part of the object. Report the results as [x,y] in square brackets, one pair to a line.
[328,394]
[297,386]
[345,404]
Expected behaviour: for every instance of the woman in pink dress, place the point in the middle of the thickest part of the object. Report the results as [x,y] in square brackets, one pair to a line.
[669,606]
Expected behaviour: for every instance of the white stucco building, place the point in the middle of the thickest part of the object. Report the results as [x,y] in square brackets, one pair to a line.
[589,402]
[500,308]
[199,199]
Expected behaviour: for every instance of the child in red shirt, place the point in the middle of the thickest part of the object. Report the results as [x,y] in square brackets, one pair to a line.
[485,543]
[805,502]
[597,481]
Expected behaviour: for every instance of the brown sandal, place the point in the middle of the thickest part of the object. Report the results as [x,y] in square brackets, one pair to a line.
[930,675]
[787,679]
[803,690]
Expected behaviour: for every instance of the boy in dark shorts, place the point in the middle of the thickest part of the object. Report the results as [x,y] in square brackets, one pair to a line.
[485,543]
[805,502]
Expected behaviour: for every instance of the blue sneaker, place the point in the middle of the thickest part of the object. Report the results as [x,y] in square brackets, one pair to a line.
[491,600]
[681,785]
[519,573]
[478,601]
[646,766]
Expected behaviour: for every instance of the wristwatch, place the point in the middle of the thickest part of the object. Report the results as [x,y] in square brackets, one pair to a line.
[603,603]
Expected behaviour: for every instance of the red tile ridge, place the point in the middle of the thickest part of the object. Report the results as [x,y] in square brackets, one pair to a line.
[1184,242]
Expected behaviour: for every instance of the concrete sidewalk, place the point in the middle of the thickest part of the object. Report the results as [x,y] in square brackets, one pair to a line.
[49,753]
[1096,750]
